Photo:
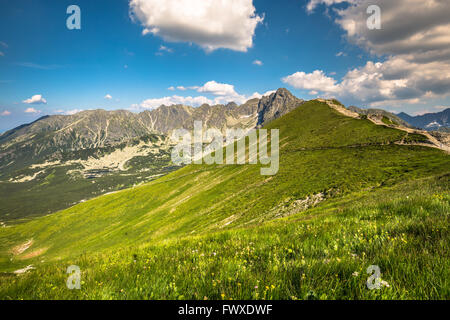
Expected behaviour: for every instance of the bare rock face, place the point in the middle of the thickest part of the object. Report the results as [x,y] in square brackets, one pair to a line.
[379,114]
[276,105]
[442,137]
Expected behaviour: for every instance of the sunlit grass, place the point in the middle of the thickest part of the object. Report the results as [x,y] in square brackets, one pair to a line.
[215,231]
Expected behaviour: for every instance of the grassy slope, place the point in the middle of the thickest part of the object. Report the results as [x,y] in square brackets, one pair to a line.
[321,151]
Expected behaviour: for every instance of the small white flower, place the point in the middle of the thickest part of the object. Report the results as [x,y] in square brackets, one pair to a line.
[355,274]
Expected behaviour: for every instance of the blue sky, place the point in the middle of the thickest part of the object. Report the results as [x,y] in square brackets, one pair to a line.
[111,63]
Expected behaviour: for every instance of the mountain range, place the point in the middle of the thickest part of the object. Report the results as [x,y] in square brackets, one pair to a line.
[429,121]
[94,152]
[61,160]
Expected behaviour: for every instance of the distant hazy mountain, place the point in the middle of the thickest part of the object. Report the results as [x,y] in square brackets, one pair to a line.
[429,121]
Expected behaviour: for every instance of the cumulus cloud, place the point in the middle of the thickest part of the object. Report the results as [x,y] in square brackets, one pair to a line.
[5,113]
[69,112]
[32,110]
[108,97]
[413,48]
[218,93]
[174,100]
[316,81]
[258,62]
[218,89]
[36,99]
[72,112]
[416,28]
[373,83]
[224,93]
[212,24]
[257,95]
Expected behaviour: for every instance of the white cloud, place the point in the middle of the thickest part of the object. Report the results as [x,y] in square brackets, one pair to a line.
[32,110]
[413,47]
[36,99]
[5,113]
[373,83]
[257,95]
[72,112]
[108,97]
[316,81]
[218,89]
[172,88]
[221,93]
[258,62]
[174,100]
[163,49]
[409,27]
[341,54]
[212,24]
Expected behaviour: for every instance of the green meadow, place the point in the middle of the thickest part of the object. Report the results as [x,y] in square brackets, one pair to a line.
[346,197]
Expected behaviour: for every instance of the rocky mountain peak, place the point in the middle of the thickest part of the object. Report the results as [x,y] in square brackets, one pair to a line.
[276,105]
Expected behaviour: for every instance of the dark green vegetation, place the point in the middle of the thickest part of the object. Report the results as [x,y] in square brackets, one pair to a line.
[346,197]
[59,186]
